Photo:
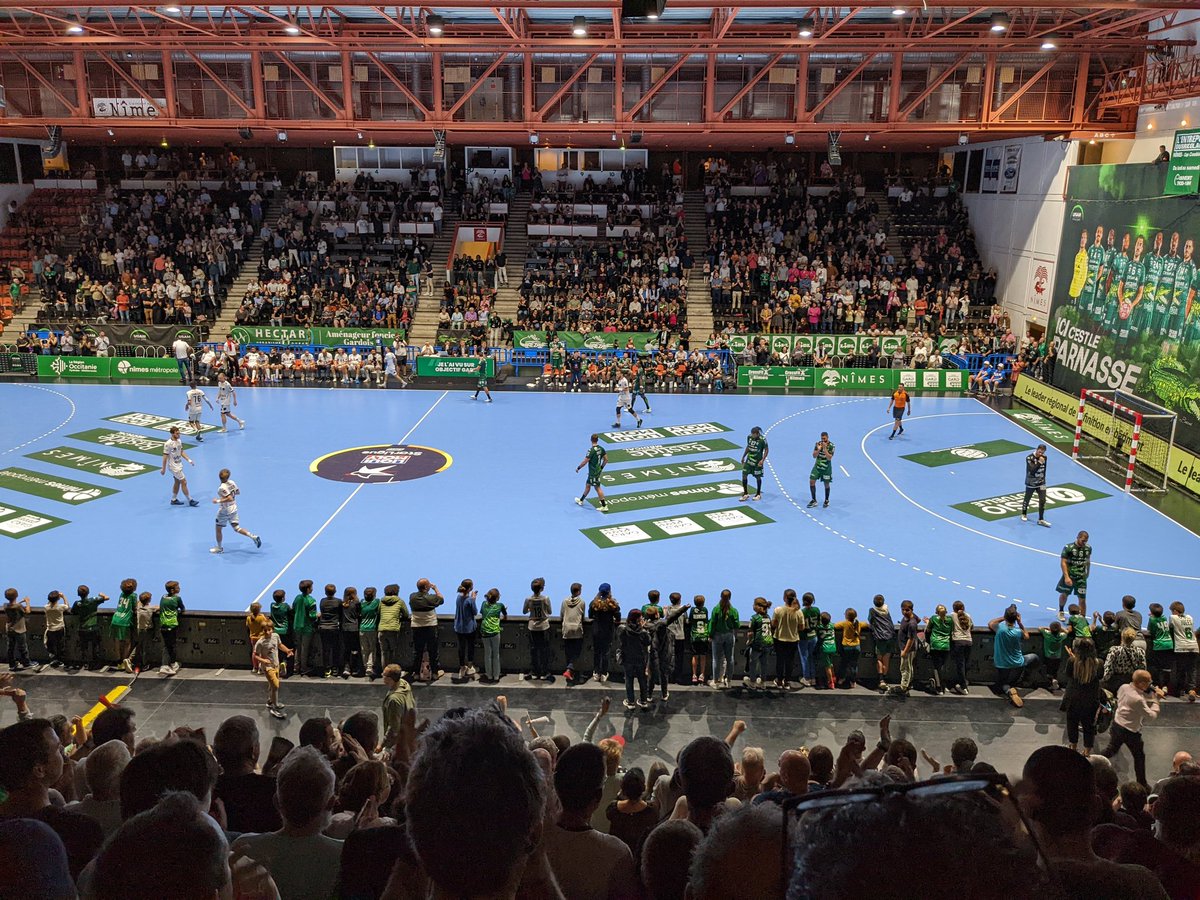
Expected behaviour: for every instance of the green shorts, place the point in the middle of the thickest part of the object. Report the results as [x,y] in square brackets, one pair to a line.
[593,480]
[754,471]
[887,647]
[1078,588]
[120,632]
[826,660]
[820,473]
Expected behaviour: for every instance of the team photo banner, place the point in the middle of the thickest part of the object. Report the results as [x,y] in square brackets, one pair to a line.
[321,337]
[596,340]
[1125,312]
[829,344]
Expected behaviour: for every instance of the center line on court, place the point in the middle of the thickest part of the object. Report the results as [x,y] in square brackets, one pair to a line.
[344,504]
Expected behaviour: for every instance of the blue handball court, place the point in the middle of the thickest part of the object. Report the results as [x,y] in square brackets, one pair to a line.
[361,488]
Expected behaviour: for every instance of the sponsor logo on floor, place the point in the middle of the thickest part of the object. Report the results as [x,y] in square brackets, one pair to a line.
[64,490]
[1006,506]
[16,522]
[381,463]
[159,423]
[96,463]
[665,471]
[965,453]
[667,451]
[124,440]
[666,431]
[692,493]
[608,536]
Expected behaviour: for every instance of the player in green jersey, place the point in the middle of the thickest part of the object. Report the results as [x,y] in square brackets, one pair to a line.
[639,383]
[481,383]
[753,458]
[1091,300]
[1076,562]
[1130,290]
[1114,267]
[1183,286]
[1161,322]
[1147,309]
[822,469]
[596,459]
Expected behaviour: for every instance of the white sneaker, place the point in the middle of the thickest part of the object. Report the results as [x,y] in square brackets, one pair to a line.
[216,549]
[242,424]
[578,502]
[1062,616]
[175,667]
[1024,518]
[165,670]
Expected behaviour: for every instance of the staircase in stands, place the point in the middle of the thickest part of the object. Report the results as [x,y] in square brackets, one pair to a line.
[516,245]
[424,323]
[246,274]
[699,304]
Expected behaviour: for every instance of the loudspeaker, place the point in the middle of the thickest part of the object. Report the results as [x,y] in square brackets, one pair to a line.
[635,138]
[245,134]
[641,9]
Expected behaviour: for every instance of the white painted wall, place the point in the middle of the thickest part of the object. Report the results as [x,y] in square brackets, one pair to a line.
[1019,233]
[9,192]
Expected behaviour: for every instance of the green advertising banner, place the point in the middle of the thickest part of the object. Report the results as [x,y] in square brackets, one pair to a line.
[837,380]
[124,440]
[452,367]
[611,478]
[16,522]
[52,487]
[670,451]
[1125,310]
[596,340]
[92,367]
[663,431]
[1183,171]
[148,369]
[96,463]
[1005,506]
[829,344]
[965,453]
[607,537]
[328,337]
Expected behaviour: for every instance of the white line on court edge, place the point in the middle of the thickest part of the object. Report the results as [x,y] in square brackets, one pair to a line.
[844,472]
[70,416]
[992,537]
[344,504]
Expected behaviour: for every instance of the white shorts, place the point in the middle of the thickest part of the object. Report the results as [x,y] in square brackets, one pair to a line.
[224,410]
[228,517]
[176,471]
[193,418]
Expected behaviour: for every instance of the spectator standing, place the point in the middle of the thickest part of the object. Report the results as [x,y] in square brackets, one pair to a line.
[465,626]
[329,628]
[571,615]
[266,659]
[662,643]
[304,626]
[491,614]
[807,644]
[170,607]
[907,631]
[883,635]
[938,632]
[15,612]
[678,632]
[85,609]
[281,615]
[424,603]
[1129,617]
[761,642]
[700,631]
[605,613]
[1081,699]
[392,614]
[630,817]
[537,608]
[961,642]
[398,701]
[785,627]
[1123,660]
[56,630]
[1186,651]
[1136,702]
[257,625]
[368,633]
[633,655]
[352,663]
[1161,655]
[725,623]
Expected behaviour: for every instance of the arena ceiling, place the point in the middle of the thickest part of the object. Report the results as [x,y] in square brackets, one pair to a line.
[745,75]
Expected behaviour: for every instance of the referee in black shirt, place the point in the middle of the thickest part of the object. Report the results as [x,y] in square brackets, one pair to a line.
[1035,481]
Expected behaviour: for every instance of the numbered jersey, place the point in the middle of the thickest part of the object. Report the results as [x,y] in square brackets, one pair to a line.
[819,461]
[227,494]
[173,451]
[225,394]
[623,393]
[1095,264]
[1078,558]
[756,449]
[597,457]
[195,401]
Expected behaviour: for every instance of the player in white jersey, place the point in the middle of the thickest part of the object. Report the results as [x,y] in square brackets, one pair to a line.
[173,457]
[227,511]
[288,362]
[226,394]
[308,366]
[625,401]
[193,405]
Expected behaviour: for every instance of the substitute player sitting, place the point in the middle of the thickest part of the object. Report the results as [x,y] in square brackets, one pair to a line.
[625,401]
[753,458]
[822,469]
[225,395]
[227,511]
[897,407]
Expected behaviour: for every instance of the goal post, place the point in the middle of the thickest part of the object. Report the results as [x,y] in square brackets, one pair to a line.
[1131,433]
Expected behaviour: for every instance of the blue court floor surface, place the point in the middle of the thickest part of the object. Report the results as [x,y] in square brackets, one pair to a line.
[361,487]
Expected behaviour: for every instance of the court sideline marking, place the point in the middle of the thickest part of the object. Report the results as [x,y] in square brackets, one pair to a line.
[845,537]
[70,416]
[992,537]
[344,504]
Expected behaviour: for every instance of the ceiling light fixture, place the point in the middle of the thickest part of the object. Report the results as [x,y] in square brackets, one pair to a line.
[806,28]
[163,143]
[533,137]
[435,25]
[292,28]
[75,28]
[172,10]
[579,26]
[898,10]
[789,138]
[1001,21]
[739,57]
[371,144]
[111,132]
[281,136]
[1050,42]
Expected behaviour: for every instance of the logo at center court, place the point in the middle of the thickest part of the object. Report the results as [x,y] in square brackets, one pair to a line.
[381,463]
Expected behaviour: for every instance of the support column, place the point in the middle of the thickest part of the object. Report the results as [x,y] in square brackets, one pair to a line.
[347,88]
[1079,106]
[893,108]
[81,85]
[988,91]
[435,63]
[259,88]
[168,68]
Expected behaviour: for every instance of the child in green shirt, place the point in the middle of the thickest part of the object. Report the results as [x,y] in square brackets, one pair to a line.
[1077,625]
[491,614]
[89,625]
[1162,646]
[169,609]
[1053,639]
[761,642]
[827,650]
[121,624]
[368,633]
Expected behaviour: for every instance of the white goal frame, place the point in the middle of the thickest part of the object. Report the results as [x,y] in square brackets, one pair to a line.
[1112,401]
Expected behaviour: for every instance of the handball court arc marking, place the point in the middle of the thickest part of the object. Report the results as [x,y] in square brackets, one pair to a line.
[354,493]
[62,424]
[984,534]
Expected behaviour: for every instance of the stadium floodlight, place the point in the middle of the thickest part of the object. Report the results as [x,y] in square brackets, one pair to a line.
[579,26]
[1001,21]
[807,27]
[1050,42]
[435,25]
